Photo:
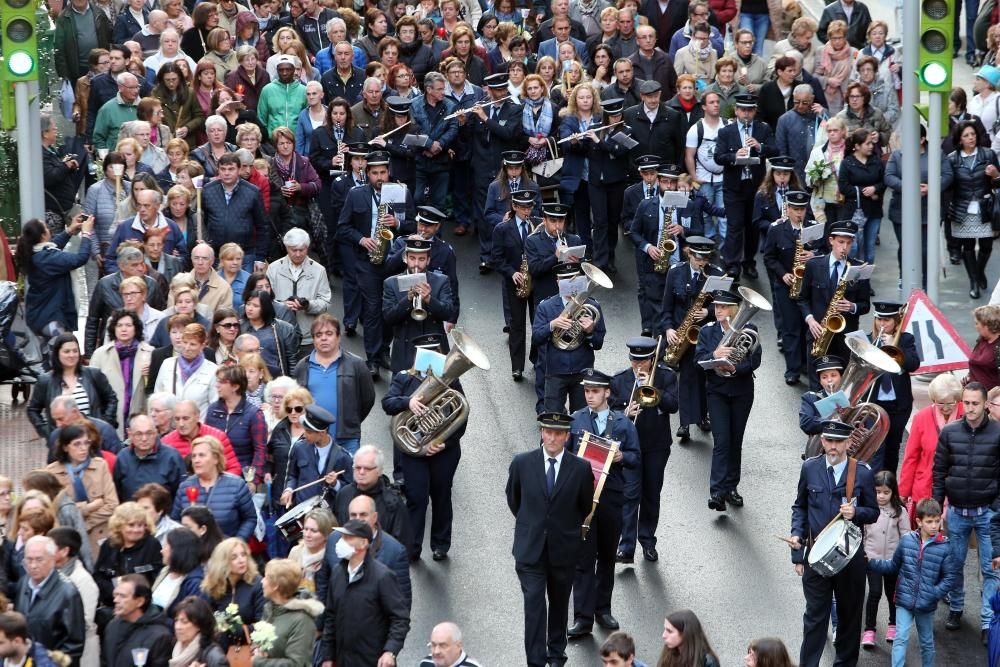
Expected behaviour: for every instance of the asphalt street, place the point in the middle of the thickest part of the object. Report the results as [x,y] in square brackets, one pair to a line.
[729,567]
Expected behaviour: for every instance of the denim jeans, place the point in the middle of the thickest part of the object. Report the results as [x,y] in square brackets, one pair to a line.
[715,228]
[971,11]
[350,445]
[864,243]
[905,620]
[959,528]
[758,25]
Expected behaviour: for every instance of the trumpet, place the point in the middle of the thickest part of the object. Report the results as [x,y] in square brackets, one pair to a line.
[477,105]
[893,349]
[578,135]
[417,311]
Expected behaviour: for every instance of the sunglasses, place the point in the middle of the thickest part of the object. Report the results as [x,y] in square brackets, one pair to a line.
[296,408]
[229,325]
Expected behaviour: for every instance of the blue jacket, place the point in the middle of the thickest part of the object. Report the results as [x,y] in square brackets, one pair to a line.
[303,468]
[497,207]
[324,59]
[49,297]
[229,501]
[241,221]
[126,230]
[741,382]
[436,127]
[541,251]
[927,572]
[241,426]
[190,585]
[164,466]
[303,132]
[550,48]
[575,154]
[126,25]
[564,362]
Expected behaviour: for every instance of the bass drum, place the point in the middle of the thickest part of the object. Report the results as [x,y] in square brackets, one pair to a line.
[290,523]
[835,547]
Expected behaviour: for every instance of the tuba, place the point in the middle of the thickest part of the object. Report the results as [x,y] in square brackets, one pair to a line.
[741,338]
[578,308]
[447,409]
[383,236]
[870,421]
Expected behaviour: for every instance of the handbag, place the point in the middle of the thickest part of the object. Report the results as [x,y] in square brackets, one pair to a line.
[858,217]
[549,168]
[239,655]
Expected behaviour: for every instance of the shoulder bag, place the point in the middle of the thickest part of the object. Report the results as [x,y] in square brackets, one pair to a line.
[239,655]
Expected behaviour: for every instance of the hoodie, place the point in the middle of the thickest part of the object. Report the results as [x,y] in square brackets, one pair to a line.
[151,631]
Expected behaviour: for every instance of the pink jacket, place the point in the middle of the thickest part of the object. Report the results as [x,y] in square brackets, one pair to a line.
[882,536]
[915,478]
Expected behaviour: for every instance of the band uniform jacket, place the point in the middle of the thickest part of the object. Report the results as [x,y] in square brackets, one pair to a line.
[817,292]
[816,503]
[618,428]
[541,251]
[497,206]
[645,226]
[680,291]
[901,381]
[442,260]
[635,194]
[729,140]
[339,187]
[609,162]
[779,247]
[303,468]
[564,362]
[396,307]
[508,248]
[501,131]
[741,382]
[355,222]
[809,420]
[547,528]
[653,423]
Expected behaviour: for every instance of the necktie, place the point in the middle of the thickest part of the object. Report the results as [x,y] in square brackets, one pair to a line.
[550,476]
[835,274]
[377,196]
[524,232]
[885,384]
[513,186]
[832,476]
[695,278]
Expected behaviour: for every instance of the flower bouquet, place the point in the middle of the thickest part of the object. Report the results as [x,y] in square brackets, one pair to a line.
[818,172]
[263,636]
[228,621]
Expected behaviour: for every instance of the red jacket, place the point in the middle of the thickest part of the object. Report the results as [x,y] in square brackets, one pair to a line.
[916,476]
[260,180]
[724,11]
[181,444]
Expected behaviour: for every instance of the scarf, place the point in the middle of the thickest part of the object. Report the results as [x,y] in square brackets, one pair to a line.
[185,655]
[310,562]
[687,106]
[699,54]
[126,357]
[188,368]
[38,247]
[835,153]
[543,125]
[836,63]
[68,568]
[76,476]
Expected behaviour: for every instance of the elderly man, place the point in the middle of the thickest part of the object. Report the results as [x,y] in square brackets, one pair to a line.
[188,427]
[213,290]
[50,602]
[658,128]
[301,283]
[149,36]
[80,28]
[338,381]
[107,296]
[369,464]
[343,79]
[447,649]
[116,112]
[652,63]
[137,624]
[104,87]
[367,114]
[433,163]
[246,344]
[624,43]
[336,30]
[233,210]
[796,130]
[561,29]
[134,292]
[148,216]
[153,156]
[65,411]
[146,461]
[160,407]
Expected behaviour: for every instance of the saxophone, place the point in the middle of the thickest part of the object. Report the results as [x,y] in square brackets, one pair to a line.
[383,236]
[687,332]
[833,322]
[524,290]
[798,270]
[666,245]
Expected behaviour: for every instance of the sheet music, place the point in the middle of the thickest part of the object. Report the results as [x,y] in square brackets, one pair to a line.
[624,140]
[572,286]
[408,280]
[429,360]
[675,199]
[712,364]
[812,233]
[572,251]
[416,141]
[828,406]
[860,272]
[717,282]
[746,161]
[393,193]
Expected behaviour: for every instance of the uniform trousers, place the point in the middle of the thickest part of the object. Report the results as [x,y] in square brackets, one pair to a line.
[791,328]
[779,316]
[729,422]
[431,187]
[579,203]
[545,635]
[848,587]
[485,230]
[461,186]
[560,387]
[838,347]
[517,336]
[650,294]
[349,283]
[595,568]
[887,456]
[741,234]
[606,205]
[691,394]
[370,283]
[428,480]
[643,516]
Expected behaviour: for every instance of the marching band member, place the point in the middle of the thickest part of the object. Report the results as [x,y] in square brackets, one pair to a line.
[563,368]
[830,485]
[829,368]
[547,537]
[442,256]
[358,156]
[401,309]
[653,220]
[642,510]
[594,582]
[682,289]
[637,192]
[893,391]
[509,240]
[730,398]
[821,280]
[780,260]
[608,178]
[357,227]
[402,157]
[317,455]
[429,476]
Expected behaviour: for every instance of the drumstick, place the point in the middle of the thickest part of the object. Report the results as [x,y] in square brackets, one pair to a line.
[314,483]
[789,541]
[840,515]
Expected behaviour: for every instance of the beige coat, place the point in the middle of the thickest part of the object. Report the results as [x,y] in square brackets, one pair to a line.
[106,359]
[87,588]
[219,294]
[99,486]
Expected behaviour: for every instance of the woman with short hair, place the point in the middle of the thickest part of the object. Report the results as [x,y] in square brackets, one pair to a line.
[216,146]
[225,495]
[983,366]
[834,65]
[189,375]
[131,548]
[249,78]
[156,500]
[221,53]
[242,422]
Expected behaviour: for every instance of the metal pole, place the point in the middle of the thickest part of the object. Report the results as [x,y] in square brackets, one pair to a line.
[933,194]
[29,152]
[911,167]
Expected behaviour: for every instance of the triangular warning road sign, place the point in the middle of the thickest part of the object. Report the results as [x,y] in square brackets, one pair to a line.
[938,343]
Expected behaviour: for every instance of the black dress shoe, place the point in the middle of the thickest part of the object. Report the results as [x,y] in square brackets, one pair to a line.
[716,503]
[373,369]
[781,346]
[954,621]
[734,499]
[439,555]
[579,629]
[384,362]
[517,376]
[683,434]
[624,558]
[607,621]
[649,553]
[484,268]
[705,425]
[506,328]
[791,380]
[751,271]
[647,333]
[350,332]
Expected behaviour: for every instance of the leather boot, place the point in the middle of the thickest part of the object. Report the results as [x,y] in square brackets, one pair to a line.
[969,259]
[982,259]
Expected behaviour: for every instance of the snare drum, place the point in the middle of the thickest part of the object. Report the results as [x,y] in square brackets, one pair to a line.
[290,523]
[835,547]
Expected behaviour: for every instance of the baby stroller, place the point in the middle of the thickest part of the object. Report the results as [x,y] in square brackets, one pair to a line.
[20,353]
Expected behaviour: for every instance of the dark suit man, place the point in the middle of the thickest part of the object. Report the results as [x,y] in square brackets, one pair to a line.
[356,229]
[641,512]
[745,138]
[893,391]
[400,306]
[550,492]
[818,287]
[823,484]
[663,136]
[652,63]
[339,188]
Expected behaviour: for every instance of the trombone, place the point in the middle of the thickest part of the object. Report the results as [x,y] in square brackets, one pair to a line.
[477,105]
[646,395]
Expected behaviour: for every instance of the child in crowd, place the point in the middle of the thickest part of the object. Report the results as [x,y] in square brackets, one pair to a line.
[257,377]
[881,540]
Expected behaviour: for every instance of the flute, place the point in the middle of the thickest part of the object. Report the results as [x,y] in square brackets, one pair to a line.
[475,106]
[583,134]
[393,130]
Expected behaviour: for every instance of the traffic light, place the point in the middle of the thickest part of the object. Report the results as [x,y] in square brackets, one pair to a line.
[20,41]
[937,19]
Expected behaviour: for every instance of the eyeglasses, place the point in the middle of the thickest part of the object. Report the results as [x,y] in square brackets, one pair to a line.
[358,468]
[297,408]
[229,325]
[128,294]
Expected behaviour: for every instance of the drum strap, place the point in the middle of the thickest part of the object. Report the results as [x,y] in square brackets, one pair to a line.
[852,473]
